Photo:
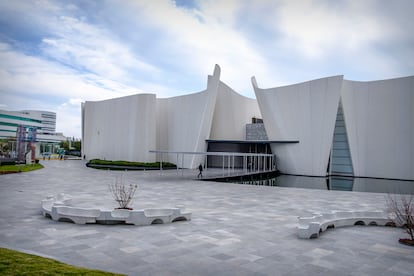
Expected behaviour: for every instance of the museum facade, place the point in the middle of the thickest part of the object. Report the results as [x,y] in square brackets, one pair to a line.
[328,126]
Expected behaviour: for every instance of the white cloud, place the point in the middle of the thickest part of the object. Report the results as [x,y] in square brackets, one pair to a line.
[316,28]
[76,102]
[87,47]
[34,75]
[99,50]
[202,39]
[223,13]
[30,82]
[68,120]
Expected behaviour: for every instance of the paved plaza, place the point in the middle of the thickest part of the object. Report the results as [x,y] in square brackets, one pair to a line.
[235,229]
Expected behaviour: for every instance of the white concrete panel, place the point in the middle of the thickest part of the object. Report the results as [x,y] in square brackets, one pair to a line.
[83,127]
[379,117]
[231,114]
[128,128]
[120,129]
[184,122]
[304,112]
[179,124]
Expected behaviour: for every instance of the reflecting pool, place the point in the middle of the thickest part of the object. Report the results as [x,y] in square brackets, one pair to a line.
[337,183]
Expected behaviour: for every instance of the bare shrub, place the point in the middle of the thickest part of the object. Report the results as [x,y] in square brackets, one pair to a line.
[402,210]
[123,194]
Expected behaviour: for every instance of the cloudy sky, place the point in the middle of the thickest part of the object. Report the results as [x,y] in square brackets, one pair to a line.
[56,54]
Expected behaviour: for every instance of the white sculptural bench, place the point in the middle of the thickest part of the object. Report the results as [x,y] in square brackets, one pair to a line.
[75,214]
[311,227]
[58,208]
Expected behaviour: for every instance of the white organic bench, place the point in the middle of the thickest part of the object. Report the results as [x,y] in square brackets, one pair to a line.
[75,214]
[311,227]
[59,209]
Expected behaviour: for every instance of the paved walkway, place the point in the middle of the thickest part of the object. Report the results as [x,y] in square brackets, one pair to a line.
[236,229]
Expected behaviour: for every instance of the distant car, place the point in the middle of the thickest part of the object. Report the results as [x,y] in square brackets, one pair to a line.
[46,154]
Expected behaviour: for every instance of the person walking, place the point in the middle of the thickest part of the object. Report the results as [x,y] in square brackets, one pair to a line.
[200,169]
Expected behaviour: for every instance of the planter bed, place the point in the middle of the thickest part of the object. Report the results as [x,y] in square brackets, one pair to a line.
[119,167]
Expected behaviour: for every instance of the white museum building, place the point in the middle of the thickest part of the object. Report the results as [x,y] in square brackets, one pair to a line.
[328,126]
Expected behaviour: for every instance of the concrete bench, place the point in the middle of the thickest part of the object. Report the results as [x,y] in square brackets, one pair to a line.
[311,227]
[63,199]
[47,205]
[160,216]
[75,214]
[58,200]
[142,217]
[157,216]
[55,208]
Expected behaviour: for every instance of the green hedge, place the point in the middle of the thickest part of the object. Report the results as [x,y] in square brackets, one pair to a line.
[4,163]
[132,164]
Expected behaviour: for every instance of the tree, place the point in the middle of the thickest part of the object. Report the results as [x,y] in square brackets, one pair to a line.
[122,194]
[77,144]
[64,145]
[402,211]
[4,145]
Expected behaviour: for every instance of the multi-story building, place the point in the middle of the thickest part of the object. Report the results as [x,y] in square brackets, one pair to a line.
[37,127]
[48,120]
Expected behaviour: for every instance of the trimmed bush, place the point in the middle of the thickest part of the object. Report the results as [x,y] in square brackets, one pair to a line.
[4,163]
[131,164]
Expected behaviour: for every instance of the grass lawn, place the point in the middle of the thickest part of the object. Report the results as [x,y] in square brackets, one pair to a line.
[19,168]
[17,263]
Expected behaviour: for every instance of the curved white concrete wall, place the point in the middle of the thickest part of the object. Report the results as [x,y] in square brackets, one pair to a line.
[379,117]
[184,122]
[128,128]
[120,129]
[304,112]
[231,114]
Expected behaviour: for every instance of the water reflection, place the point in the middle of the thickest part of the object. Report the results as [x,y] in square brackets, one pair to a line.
[338,183]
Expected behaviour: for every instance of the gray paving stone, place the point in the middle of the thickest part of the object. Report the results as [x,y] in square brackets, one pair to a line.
[235,230]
